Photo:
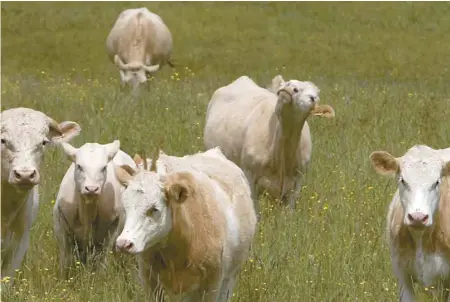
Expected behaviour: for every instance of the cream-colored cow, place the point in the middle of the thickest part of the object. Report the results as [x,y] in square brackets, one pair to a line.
[139,44]
[25,134]
[188,229]
[262,131]
[88,203]
[418,225]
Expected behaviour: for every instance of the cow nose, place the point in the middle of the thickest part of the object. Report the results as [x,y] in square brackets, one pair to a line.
[124,245]
[25,176]
[91,189]
[418,218]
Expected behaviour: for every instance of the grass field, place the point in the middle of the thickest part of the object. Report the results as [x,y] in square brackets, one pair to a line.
[384,67]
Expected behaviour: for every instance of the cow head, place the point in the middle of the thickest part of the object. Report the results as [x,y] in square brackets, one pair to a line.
[91,165]
[134,73]
[301,98]
[419,174]
[25,134]
[148,215]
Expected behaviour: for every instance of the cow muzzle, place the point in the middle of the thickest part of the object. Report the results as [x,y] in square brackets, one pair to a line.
[91,191]
[417,219]
[124,245]
[24,177]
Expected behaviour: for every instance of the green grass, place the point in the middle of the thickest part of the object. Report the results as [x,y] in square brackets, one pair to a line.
[382,66]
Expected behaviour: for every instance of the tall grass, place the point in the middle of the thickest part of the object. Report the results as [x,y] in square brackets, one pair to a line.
[382,66]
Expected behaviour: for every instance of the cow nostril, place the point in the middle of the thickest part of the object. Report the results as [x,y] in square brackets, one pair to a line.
[425,218]
[128,245]
[33,174]
[17,175]
[95,189]
[410,217]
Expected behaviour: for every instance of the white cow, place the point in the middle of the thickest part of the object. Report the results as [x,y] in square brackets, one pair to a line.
[418,225]
[191,228]
[88,202]
[139,43]
[25,134]
[261,131]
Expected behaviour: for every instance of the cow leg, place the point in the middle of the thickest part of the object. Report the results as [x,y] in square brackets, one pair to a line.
[64,243]
[406,291]
[253,189]
[19,255]
[226,291]
[295,193]
[153,290]
[212,292]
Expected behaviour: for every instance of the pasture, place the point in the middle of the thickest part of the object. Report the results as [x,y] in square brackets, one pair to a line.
[382,66]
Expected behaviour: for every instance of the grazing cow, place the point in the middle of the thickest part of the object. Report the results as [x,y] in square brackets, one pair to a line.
[139,43]
[190,231]
[261,131]
[88,201]
[418,225]
[25,134]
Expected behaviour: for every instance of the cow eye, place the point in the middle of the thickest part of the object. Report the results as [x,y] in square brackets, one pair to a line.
[152,211]
[45,142]
[436,184]
[3,141]
[295,90]
[79,168]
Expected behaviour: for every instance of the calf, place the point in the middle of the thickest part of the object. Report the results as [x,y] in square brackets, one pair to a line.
[418,225]
[25,135]
[88,202]
[190,231]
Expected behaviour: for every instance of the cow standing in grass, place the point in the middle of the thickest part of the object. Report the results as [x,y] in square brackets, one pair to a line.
[25,134]
[139,44]
[261,131]
[191,232]
[418,220]
[88,211]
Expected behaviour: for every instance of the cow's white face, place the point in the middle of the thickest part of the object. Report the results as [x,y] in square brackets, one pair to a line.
[135,72]
[91,165]
[25,134]
[148,217]
[298,98]
[302,96]
[133,77]
[419,174]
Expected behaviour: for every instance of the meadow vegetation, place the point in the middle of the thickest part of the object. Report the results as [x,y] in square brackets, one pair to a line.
[382,66]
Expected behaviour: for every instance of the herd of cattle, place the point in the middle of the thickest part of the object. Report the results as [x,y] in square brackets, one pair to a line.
[190,220]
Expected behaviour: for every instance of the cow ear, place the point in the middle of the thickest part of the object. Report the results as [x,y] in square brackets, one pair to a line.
[177,192]
[384,163]
[125,174]
[276,83]
[138,159]
[112,149]
[70,151]
[178,187]
[323,111]
[446,169]
[63,132]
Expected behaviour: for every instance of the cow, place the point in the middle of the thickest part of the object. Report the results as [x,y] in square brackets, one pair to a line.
[190,231]
[418,228]
[88,211]
[264,133]
[25,135]
[139,44]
